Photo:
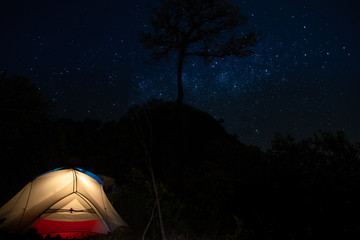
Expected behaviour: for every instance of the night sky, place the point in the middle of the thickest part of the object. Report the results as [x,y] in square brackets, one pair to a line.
[86,59]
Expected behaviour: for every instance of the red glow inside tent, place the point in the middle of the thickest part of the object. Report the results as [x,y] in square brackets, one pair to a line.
[69,230]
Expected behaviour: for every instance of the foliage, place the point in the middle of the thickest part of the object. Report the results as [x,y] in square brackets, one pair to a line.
[179,25]
[313,184]
[204,28]
[24,127]
[241,232]
[304,189]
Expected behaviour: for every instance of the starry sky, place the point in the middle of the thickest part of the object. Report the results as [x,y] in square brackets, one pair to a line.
[86,59]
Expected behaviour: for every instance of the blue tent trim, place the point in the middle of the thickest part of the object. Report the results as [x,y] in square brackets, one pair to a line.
[90,174]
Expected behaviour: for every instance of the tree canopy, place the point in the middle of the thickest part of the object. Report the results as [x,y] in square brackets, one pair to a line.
[204,28]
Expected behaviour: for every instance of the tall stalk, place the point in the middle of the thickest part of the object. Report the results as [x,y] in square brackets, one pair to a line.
[147,145]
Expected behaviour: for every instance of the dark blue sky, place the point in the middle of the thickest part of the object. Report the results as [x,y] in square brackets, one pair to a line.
[87,61]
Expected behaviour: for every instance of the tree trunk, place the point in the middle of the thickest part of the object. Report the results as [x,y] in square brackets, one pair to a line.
[180,98]
[180,166]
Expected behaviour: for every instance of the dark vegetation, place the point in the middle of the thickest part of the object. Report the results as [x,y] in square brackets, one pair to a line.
[216,188]
[202,28]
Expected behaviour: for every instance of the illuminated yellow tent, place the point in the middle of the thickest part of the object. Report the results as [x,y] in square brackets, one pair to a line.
[66,202]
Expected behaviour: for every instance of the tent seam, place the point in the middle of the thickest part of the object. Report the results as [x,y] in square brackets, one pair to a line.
[74,181]
[102,199]
[24,210]
[101,217]
[38,217]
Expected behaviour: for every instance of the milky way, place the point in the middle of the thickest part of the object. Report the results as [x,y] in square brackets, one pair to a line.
[85,58]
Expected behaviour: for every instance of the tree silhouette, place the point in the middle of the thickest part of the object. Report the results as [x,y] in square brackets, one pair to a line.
[24,131]
[19,95]
[204,28]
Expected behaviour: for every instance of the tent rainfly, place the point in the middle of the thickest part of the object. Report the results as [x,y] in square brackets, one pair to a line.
[70,203]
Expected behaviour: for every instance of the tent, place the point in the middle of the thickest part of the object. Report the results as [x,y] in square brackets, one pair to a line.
[66,202]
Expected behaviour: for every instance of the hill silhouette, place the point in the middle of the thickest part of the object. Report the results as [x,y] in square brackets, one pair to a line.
[211,185]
